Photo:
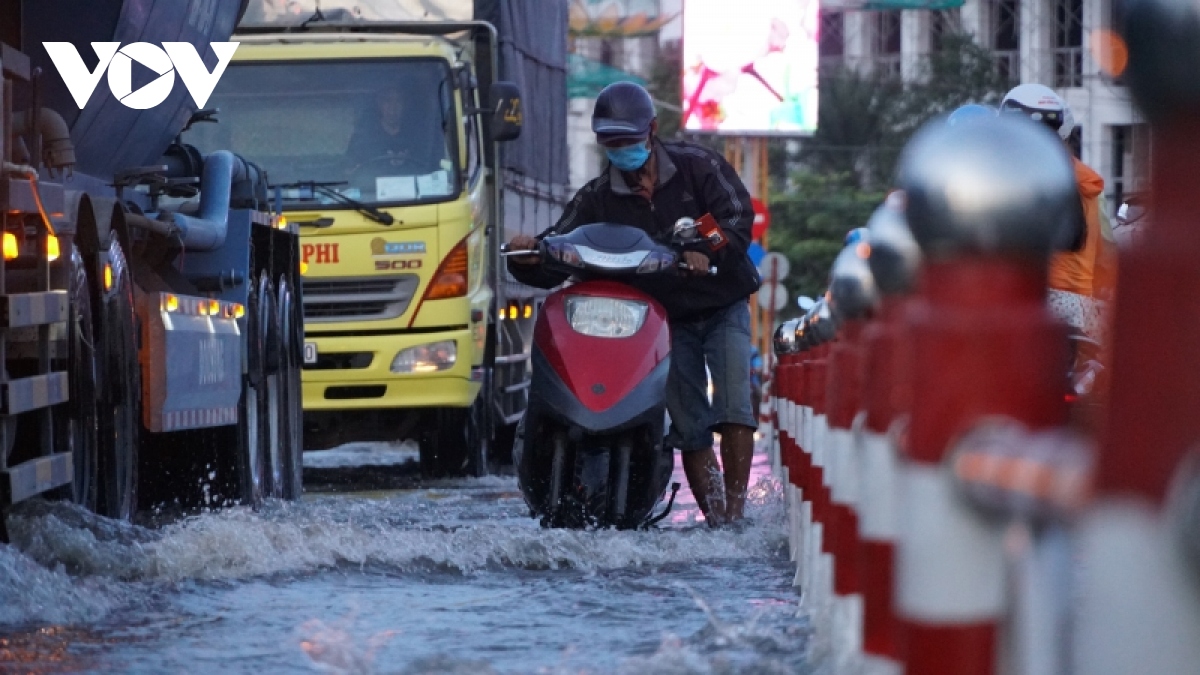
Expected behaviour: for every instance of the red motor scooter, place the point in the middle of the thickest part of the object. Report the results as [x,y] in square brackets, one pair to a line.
[589,450]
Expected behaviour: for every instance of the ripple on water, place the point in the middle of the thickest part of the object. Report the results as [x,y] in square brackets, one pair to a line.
[69,560]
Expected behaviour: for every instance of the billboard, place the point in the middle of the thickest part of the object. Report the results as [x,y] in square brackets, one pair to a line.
[290,12]
[618,18]
[750,67]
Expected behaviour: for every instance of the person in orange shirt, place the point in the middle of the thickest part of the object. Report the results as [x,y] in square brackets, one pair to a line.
[1083,277]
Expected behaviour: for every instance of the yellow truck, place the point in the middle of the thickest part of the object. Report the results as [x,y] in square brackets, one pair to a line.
[381,133]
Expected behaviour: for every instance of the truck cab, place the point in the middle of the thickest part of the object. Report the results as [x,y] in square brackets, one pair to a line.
[375,147]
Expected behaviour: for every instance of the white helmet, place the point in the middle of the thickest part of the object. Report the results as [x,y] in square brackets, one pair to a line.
[1043,105]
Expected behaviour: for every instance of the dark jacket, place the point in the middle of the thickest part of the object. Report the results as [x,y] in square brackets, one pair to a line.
[692,181]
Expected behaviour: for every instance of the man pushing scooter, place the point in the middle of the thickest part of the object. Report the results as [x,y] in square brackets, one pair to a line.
[650,184]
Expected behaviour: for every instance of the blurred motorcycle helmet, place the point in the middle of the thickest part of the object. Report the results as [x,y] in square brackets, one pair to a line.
[1041,104]
[855,236]
[969,111]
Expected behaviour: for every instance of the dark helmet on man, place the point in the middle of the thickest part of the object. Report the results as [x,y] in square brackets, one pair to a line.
[624,111]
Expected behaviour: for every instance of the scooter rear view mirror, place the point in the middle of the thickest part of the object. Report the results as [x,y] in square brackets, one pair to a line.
[685,229]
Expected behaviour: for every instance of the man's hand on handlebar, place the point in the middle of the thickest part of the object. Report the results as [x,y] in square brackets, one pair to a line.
[524,242]
[696,263]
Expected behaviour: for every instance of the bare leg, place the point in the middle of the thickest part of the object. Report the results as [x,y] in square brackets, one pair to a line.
[737,452]
[704,477]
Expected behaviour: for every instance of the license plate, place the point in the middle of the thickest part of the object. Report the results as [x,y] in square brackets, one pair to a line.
[310,352]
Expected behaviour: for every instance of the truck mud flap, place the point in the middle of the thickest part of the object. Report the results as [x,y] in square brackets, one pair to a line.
[192,369]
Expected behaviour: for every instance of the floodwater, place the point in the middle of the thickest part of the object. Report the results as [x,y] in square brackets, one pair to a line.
[375,571]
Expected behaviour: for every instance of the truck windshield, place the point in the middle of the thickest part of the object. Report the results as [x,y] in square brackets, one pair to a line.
[380,132]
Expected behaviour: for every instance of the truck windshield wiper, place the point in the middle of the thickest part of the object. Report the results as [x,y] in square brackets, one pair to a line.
[326,188]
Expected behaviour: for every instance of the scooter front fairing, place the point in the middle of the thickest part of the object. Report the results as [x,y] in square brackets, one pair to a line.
[601,354]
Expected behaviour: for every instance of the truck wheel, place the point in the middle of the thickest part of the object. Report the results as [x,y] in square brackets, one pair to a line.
[291,343]
[444,443]
[251,458]
[75,422]
[502,447]
[120,390]
[270,399]
[478,432]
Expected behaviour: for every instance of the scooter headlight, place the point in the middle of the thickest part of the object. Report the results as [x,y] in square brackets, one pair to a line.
[605,317]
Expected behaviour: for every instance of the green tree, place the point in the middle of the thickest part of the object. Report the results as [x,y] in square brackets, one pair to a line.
[865,119]
[809,224]
[664,83]
[848,165]
[852,118]
[960,72]
[864,122]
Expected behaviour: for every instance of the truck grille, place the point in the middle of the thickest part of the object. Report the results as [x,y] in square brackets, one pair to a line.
[358,299]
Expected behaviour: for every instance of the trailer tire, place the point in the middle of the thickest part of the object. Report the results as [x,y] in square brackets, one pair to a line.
[250,460]
[120,387]
[75,422]
[291,356]
[270,398]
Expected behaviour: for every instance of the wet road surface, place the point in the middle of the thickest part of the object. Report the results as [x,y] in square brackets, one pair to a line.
[378,572]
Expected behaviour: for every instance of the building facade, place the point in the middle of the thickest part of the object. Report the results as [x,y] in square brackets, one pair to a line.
[1064,44]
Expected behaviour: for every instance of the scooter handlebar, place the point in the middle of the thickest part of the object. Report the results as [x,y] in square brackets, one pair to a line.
[712,270]
[507,252]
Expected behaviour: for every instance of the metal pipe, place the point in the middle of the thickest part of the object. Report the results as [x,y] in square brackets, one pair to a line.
[58,152]
[206,231]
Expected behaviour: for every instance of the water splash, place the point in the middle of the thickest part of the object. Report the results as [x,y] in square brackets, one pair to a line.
[460,554]
[363,454]
[773,640]
[409,532]
[33,594]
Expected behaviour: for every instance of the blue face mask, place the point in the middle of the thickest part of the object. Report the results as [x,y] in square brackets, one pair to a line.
[630,157]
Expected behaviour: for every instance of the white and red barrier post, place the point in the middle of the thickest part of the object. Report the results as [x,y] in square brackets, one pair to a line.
[1140,599]
[984,200]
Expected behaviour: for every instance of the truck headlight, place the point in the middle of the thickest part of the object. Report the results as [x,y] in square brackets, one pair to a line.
[605,317]
[426,358]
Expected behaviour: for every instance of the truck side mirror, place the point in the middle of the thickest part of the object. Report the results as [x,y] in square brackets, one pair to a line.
[507,113]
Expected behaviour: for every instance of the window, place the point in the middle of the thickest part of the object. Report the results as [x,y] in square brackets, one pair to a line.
[832,41]
[608,53]
[1130,161]
[1005,27]
[1068,43]
[886,47]
[333,122]
[943,24]
[887,32]
[471,129]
